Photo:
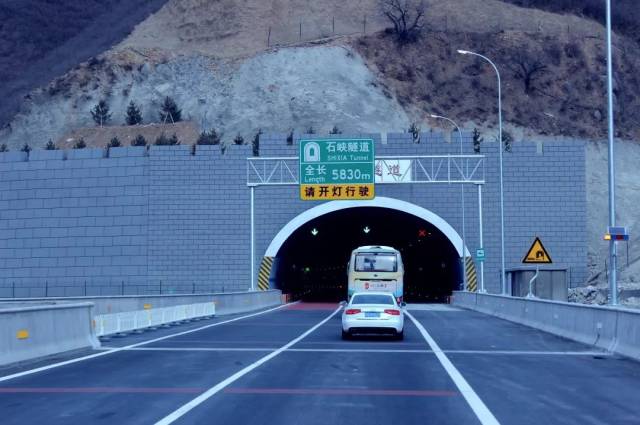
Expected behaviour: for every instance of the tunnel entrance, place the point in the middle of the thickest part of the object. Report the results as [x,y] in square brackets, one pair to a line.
[311,264]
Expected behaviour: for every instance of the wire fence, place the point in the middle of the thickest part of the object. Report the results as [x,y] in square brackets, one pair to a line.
[300,30]
[89,289]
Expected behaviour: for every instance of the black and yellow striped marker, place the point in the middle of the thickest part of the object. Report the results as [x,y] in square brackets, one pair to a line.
[472,277]
[264,273]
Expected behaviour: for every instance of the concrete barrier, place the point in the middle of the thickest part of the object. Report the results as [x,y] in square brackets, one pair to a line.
[616,329]
[32,331]
[226,303]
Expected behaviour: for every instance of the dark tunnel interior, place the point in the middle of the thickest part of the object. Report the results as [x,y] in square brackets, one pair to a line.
[312,264]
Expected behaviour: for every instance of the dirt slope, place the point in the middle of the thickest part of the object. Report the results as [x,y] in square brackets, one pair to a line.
[231,28]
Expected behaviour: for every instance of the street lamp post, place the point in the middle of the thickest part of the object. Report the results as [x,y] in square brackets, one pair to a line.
[613,284]
[502,271]
[464,255]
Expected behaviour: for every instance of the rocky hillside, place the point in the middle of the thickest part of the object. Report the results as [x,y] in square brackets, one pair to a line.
[42,39]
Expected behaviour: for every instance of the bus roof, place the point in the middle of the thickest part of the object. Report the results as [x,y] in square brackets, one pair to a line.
[374,248]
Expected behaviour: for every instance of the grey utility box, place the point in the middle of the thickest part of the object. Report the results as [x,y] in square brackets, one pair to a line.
[551,284]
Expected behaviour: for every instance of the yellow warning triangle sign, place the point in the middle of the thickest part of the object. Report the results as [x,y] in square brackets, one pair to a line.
[537,254]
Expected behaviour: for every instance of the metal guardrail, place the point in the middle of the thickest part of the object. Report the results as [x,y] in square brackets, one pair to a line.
[108,324]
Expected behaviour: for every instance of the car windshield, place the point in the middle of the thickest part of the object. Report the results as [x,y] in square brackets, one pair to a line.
[376,262]
[372,299]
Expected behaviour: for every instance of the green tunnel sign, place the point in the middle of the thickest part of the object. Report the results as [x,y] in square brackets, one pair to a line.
[333,169]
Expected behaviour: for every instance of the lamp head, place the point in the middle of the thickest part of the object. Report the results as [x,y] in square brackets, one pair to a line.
[464,52]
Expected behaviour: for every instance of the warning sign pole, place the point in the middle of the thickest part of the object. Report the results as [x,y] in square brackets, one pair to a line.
[533,279]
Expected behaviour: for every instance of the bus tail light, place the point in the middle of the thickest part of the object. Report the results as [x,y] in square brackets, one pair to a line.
[352,311]
[393,312]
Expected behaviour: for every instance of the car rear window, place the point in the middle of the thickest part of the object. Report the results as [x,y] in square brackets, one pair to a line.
[372,299]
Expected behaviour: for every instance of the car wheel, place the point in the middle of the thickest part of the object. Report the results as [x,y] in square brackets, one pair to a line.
[346,335]
[400,335]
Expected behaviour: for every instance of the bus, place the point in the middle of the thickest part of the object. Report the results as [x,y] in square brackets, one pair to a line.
[376,268]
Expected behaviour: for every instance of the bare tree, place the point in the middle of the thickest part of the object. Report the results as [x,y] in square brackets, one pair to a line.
[407,17]
[527,67]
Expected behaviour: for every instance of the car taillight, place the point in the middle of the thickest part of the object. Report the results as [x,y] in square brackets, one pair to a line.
[352,311]
[393,312]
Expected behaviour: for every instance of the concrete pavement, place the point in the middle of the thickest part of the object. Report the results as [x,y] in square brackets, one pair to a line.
[290,366]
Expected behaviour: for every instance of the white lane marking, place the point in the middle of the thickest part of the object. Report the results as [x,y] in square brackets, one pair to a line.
[530,353]
[371,350]
[172,417]
[481,411]
[433,307]
[212,349]
[305,350]
[116,350]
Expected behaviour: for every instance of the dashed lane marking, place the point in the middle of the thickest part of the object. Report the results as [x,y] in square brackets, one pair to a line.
[116,350]
[481,411]
[172,417]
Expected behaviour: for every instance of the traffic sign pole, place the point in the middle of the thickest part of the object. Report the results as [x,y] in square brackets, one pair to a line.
[253,241]
[482,290]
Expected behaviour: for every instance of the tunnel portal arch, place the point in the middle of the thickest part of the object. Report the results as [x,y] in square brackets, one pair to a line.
[279,252]
[380,202]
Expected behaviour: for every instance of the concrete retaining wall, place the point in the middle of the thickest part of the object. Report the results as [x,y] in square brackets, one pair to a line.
[168,219]
[31,331]
[227,303]
[609,328]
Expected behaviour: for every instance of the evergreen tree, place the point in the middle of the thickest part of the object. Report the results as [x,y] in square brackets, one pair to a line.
[239,140]
[163,140]
[4,148]
[477,140]
[290,138]
[169,111]
[80,144]
[414,129]
[209,138]
[134,115]
[335,130]
[139,141]
[100,113]
[114,143]
[26,148]
[311,130]
[507,140]
[50,146]
[255,144]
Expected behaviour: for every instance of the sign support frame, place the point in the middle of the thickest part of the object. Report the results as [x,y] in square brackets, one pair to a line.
[287,178]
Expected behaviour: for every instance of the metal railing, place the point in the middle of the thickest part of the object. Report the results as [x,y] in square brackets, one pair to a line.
[283,171]
[108,324]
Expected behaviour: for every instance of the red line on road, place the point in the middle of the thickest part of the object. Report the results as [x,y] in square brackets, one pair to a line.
[343,391]
[99,390]
[312,306]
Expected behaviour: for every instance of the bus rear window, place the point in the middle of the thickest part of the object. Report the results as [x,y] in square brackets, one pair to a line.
[376,262]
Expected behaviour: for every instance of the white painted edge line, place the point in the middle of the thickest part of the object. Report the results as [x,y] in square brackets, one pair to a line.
[128,347]
[172,417]
[481,411]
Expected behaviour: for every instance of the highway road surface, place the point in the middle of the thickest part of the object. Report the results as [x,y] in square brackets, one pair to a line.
[290,366]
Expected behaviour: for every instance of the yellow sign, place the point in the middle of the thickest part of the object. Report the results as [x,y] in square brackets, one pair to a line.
[331,192]
[537,254]
[147,306]
[22,334]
